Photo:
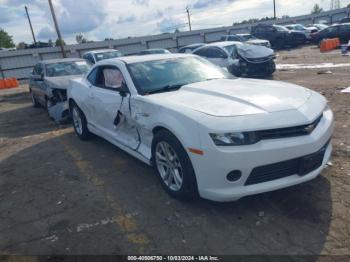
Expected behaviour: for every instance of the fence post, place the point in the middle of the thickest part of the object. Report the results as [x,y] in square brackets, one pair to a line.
[2,73]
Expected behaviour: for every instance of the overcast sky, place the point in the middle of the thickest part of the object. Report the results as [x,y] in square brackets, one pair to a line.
[100,19]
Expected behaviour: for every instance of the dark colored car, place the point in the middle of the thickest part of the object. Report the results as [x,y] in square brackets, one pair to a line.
[190,48]
[344,20]
[279,36]
[154,51]
[341,31]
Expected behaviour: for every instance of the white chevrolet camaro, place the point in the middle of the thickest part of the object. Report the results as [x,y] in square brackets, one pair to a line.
[204,131]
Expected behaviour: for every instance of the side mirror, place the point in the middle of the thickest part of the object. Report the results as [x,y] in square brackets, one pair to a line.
[123,90]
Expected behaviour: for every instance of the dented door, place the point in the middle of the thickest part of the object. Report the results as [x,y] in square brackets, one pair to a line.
[111,110]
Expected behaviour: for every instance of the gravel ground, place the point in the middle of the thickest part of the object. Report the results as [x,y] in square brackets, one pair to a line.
[59,195]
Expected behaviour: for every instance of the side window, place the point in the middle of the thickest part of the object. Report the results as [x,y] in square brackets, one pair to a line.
[233,38]
[202,52]
[89,59]
[35,70]
[216,53]
[92,77]
[113,78]
[223,38]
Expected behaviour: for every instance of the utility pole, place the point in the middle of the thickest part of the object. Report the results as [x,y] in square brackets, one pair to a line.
[30,24]
[274,9]
[189,18]
[57,29]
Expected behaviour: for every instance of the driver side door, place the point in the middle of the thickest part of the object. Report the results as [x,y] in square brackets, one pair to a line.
[110,109]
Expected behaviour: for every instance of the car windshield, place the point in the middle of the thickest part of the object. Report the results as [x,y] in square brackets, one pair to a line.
[107,55]
[231,49]
[67,68]
[280,28]
[162,75]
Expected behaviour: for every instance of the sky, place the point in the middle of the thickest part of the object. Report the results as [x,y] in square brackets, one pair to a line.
[100,19]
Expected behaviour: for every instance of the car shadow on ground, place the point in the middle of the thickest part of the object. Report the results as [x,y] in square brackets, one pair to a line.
[51,187]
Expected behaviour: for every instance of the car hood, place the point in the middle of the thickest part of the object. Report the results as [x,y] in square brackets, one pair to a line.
[60,82]
[235,97]
[254,51]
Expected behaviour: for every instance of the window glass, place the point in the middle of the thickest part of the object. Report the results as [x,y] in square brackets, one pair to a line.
[155,75]
[107,55]
[215,53]
[233,38]
[36,69]
[66,68]
[93,76]
[202,52]
[113,78]
[89,59]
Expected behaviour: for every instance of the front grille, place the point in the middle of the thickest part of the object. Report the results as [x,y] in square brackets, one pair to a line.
[297,166]
[289,131]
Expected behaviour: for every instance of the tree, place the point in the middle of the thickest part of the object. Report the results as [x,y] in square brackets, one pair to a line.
[22,45]
[348,6]
[316,9]
[5,39]
[57,43]
[80,38]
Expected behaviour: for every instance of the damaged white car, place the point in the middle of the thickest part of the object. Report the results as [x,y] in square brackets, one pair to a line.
[49,81]
[204,131]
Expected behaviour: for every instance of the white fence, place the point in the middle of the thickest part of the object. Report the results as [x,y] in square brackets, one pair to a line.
[19,63]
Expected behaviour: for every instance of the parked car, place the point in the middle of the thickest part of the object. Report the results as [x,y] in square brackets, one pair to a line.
[94,56]
[49,81]
[344,20]
[246,38]
[190,48]
[318,26]
[341,31]
[305,30]
[154,51]
[204,132]
[279,36]
[240,59]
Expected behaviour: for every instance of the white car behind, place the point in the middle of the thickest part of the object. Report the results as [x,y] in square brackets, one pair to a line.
[205,132]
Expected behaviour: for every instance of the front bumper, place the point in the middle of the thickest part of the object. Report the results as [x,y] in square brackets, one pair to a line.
[212,168]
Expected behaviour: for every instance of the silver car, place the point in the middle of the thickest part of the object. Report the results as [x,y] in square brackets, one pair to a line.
[49,81]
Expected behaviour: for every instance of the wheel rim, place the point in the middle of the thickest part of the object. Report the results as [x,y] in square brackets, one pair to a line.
[77,121]
[169,166]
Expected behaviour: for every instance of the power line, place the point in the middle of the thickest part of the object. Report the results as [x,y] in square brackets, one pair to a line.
[30,24]
[57,30]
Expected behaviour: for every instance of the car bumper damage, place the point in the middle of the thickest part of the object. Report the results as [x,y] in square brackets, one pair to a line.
[57,105]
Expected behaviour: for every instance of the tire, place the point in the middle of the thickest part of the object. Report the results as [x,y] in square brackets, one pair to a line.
[35,103]
[79,122]
[187,189]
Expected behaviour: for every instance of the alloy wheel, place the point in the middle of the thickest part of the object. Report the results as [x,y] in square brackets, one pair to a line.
[169,166]
[77,121]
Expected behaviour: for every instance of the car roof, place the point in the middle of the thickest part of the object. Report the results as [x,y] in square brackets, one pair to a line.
[225,43]
[196,44]
[100,51]
[152,57]
[243,34]
[60,60]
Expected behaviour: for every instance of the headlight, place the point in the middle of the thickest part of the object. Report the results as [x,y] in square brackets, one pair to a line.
[235,139]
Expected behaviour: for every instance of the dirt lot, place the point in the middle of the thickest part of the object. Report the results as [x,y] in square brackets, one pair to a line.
[59,195]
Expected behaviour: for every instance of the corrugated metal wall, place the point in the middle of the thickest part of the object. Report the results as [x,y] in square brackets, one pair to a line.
[19,63]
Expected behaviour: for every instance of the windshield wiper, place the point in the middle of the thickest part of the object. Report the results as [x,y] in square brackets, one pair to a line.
[166,88]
